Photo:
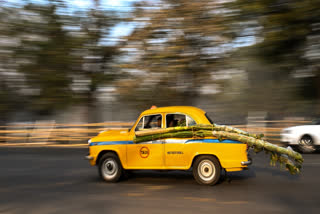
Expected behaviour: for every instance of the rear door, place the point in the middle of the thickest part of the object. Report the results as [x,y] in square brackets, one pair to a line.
[174,153]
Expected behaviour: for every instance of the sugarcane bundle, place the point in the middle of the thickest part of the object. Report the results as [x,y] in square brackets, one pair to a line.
[199,127]
[288,158]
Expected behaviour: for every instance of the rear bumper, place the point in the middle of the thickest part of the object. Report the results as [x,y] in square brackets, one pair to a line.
[246,163]
[88,157]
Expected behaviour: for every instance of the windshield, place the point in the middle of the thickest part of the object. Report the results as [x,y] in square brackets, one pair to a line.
[315,122]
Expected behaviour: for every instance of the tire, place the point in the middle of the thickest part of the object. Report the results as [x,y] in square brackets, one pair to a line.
[206,170]
[110,168]
[306,144]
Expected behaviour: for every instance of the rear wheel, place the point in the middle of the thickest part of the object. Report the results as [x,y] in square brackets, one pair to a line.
[110,168]
[306,144]
[206,170]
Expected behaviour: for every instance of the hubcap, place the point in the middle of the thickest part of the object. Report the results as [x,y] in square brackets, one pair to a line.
[109,168]
[206,170]
[306,144]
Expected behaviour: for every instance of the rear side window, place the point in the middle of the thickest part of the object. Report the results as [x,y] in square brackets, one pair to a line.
[174,120]
[190,121]
[150,122]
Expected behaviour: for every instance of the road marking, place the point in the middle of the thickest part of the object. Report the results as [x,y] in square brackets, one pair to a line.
[64,183]
[233,202]
[157,187]
[214,200]
[135,194]
[200,199]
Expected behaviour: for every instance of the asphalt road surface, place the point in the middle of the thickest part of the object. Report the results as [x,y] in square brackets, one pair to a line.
[59,180]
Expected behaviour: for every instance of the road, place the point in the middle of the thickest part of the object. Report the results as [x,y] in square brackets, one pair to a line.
[59,180]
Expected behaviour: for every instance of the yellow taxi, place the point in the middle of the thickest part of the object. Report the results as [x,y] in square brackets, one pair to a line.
[115,152]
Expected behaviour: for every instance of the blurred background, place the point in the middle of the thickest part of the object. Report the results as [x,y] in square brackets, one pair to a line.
[85,62]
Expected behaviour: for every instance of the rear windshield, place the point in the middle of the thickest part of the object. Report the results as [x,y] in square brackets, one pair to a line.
[315,122]
[207,116]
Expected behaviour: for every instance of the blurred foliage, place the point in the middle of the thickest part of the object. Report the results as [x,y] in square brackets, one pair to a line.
[238,55]
[45,50]
[287,48]
[58,58]
[177,44]
[284,27]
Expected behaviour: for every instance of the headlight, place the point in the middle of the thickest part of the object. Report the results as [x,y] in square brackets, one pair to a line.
[89,141]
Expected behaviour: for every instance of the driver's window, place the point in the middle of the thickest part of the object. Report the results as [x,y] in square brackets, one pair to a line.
[150,122]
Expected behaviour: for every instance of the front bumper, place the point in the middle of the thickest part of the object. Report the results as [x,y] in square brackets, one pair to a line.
[288,139]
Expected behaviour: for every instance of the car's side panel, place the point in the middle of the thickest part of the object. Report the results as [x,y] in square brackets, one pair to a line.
[148,155]
[180,155]
[317,139]
[174,153]
[230,155]
[291,139]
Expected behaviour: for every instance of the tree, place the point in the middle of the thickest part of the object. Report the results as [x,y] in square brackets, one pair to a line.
[10,99]
[285,32]
[176,44]
[98,56]
[45,56]
[57,49]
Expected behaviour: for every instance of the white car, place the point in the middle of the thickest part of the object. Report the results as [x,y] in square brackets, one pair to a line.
[306,137]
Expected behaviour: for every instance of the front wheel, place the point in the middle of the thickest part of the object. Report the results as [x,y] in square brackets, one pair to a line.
[206,170]
[110,168]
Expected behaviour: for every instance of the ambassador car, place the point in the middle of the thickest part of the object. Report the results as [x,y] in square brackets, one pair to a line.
[114,152]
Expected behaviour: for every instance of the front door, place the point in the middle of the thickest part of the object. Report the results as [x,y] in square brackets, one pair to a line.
[150,154]
[146,155]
